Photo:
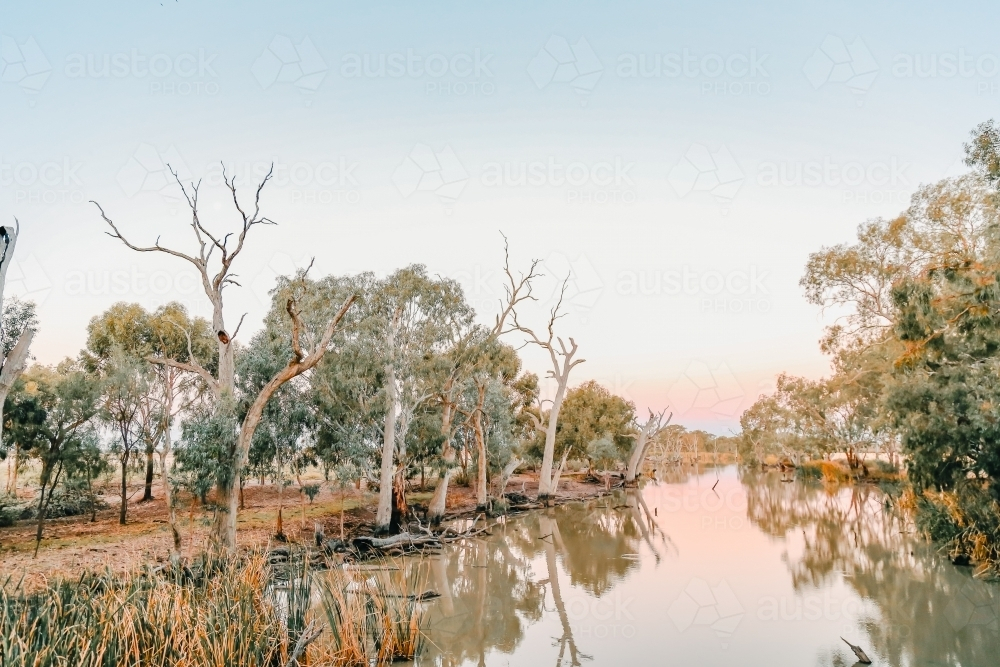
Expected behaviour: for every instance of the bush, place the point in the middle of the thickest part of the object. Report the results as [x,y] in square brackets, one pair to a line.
[884,467]
[966,522]
[810,470]
[69,501]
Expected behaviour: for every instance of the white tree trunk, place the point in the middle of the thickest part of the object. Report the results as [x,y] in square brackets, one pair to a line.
[384,514]
[15,362]
[650,430]
[638,452]
[165,452]
[13,366]
[505,475]
[438,503]
[545,487]
[481,491]
[559,471]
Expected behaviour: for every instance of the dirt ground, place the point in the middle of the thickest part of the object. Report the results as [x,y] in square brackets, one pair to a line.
[74,545]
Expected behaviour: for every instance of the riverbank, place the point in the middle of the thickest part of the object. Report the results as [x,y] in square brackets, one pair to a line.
[76,544]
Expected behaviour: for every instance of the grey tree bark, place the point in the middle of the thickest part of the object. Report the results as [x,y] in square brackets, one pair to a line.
[15,362]
[647,432]
[222,385]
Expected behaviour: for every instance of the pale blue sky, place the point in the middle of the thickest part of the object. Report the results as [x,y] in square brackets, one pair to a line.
[640,153]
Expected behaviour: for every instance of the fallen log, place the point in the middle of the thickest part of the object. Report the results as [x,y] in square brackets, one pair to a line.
[859,652]
[402,540]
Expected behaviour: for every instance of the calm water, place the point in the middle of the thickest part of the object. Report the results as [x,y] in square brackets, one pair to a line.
[756,572]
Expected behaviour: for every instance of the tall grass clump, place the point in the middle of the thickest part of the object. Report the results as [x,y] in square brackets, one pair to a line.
[220,617]
[374,615]
[225,613]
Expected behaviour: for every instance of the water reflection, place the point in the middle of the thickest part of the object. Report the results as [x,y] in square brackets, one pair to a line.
[929,612]
[716,568]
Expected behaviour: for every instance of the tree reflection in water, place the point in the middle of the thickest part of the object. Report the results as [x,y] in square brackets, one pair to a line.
[930,612]
[848,544]
[492,589]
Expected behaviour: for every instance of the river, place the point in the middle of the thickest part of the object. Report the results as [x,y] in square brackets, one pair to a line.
[718,567]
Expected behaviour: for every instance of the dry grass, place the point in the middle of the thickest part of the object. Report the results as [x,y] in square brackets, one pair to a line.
[220,614]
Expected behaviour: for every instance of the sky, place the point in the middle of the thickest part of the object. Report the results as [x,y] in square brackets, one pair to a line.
[675,163]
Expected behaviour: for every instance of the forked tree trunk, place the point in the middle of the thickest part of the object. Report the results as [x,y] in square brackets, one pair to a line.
[439,501]
[651,429]
[558,475]
[224,527]
[505,475]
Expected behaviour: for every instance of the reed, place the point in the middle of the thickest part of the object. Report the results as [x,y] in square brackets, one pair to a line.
[374,615]
[226,613]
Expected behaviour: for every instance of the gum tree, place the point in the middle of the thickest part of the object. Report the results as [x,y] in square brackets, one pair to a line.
[19,323]
[213,259]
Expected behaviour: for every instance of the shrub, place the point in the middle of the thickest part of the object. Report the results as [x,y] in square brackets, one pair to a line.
[810,470]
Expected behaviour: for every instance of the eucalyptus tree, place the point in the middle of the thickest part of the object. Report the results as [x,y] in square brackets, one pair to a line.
[410,319]
[286,421]
[493,367]
[462,363]
[52,406]
[126,389]
[18,322]
[563,360]
[216,275]
[169,332]
[18,318]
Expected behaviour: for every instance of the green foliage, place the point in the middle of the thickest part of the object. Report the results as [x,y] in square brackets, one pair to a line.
[603,452]
[203,458]
[311,491]
[590,412]
[916,357]
[17,316]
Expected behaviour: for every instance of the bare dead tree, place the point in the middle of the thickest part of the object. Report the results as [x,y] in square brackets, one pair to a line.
[647,432]
[216,275]
[214,281]
[302,360]
[562,358]
[517,289]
